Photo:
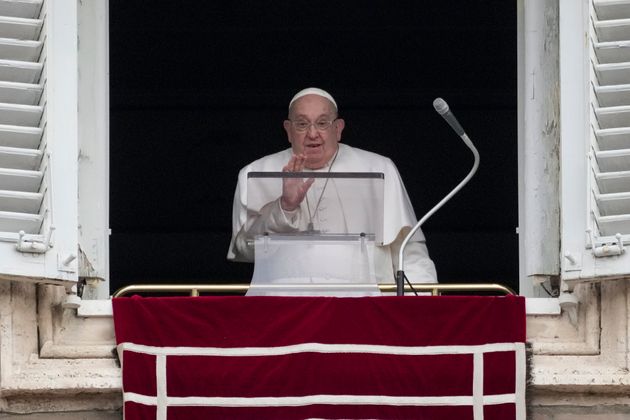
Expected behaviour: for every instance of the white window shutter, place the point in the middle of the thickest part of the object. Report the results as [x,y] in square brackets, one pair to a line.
[595,113]
[610,138]
[38,140]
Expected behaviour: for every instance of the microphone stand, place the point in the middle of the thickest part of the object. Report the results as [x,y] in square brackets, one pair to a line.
[400,274]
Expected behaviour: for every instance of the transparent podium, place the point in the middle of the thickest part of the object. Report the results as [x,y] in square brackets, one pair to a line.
[326,246]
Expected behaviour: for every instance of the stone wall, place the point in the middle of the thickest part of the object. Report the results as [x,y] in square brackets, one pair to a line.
[52,360]
[579,368]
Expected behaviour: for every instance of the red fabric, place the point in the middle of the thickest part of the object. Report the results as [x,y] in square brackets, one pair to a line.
[499,411]
[277,376]
[323,412]
[270,322]
[141,378]
[139,411]
[499,384]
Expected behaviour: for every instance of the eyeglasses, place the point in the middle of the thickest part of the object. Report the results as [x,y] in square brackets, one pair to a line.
[320,125]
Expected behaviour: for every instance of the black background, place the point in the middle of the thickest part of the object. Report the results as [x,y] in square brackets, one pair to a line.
[199,89]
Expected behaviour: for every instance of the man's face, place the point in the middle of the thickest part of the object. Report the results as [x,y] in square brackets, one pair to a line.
[317,145]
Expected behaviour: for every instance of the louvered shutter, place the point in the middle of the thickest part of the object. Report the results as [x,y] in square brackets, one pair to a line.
[610,140]
[595,139]
[38,140]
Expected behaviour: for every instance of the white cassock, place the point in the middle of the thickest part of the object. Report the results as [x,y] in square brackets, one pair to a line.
[332,215]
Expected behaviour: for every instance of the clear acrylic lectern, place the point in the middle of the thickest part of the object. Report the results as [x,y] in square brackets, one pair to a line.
[323,247]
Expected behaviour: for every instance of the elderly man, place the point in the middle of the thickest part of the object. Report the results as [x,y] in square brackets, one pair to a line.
[314,132]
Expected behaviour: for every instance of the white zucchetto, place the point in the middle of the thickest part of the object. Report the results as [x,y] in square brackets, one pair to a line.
[313,91]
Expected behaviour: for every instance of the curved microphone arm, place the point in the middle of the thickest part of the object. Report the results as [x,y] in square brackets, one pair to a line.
[400,274]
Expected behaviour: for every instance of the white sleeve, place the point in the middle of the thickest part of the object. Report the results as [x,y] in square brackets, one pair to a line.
[270,218]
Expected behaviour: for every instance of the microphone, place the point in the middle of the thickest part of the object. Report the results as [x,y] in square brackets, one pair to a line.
[441,107]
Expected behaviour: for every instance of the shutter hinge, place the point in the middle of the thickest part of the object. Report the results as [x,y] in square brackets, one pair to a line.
[35,246]
[610,250]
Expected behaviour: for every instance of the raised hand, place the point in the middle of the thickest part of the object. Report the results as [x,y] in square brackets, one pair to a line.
[294,189]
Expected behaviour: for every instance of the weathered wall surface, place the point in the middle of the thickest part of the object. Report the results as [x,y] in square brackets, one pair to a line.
[79,415]
[51,360]
[580,366]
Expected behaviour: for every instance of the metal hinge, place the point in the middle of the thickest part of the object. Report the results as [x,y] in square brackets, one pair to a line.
[34,246]
[611,249]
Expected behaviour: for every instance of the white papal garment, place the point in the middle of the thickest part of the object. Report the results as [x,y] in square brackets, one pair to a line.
[333,216]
